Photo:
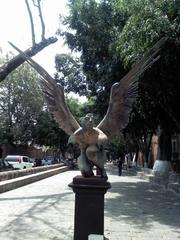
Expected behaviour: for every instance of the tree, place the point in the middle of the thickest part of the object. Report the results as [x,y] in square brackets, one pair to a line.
[21,100]
[75,107]
[46,132]
[112,35]
[70,74]
[147,22]
[165,103]
[93,30]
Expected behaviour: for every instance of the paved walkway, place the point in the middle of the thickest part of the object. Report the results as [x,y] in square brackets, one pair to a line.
[133,210]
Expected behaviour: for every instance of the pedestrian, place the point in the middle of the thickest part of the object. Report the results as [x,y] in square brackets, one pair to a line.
[119,165]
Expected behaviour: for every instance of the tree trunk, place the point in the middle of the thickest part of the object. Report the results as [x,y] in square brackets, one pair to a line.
[162,165]
[165,146]
[147,145]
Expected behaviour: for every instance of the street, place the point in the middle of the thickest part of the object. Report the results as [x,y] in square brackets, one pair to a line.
[134,210]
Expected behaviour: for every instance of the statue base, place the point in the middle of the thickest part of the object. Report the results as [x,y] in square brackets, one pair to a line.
[89,205]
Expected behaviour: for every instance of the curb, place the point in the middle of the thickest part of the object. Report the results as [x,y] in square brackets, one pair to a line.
[22,181]
[24,172]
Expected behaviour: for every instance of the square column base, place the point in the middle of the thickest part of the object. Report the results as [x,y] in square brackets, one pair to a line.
[89,205]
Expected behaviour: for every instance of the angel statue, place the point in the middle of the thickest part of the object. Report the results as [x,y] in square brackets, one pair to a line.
[92,141]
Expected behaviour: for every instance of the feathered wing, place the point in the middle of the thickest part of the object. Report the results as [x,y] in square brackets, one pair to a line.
[54,95]
[124,93]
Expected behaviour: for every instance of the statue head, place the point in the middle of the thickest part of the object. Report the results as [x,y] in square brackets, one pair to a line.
[87,121]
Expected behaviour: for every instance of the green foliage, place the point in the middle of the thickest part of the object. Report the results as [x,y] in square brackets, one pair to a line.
[148,21]
[89,107]
[23,118]
[158,99]
[47,132]
[75,107]
[121,145]
[69,74]
[81,109]
[21,101]
[111,36]
[118,146]
[165,75]
[93,30]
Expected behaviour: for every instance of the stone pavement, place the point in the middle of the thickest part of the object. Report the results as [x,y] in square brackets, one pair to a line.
[134,210]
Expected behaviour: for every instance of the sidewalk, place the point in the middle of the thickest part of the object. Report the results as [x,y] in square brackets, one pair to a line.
[134,210]
[170,183]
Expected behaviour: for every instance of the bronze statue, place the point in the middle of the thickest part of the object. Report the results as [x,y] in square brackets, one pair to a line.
[93,140]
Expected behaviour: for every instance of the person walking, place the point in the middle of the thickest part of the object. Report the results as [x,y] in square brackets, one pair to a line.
[119,165]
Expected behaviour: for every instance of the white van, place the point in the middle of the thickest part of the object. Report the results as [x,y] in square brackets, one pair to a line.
[20,162]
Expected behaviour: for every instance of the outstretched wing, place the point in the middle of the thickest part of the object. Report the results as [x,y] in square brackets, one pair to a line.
[54,95]
[124,93]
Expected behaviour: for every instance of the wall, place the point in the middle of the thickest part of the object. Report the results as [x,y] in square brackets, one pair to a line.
[30,151]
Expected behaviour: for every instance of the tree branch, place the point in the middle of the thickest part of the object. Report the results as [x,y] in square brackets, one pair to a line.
[18,60]
[38,5]
[31,22]
[42,21]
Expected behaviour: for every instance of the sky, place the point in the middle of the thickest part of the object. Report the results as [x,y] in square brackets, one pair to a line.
[15,27]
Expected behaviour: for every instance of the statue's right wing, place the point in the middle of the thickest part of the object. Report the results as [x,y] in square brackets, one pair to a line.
[54,95]
[124,92]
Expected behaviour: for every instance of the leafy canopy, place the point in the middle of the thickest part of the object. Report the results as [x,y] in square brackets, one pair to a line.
[21,100]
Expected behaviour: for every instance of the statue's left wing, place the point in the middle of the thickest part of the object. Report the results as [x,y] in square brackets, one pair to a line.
[124,93]
[54,95]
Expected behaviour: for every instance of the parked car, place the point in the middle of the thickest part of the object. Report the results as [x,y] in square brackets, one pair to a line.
[48,160]
[38,162]
[18,161]
[65,161]
[5,165]
[44,162]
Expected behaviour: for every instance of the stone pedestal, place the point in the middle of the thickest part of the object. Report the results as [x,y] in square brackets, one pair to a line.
[89,205]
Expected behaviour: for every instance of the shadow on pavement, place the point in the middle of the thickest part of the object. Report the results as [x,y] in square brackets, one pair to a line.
[139,203]
[47,211]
